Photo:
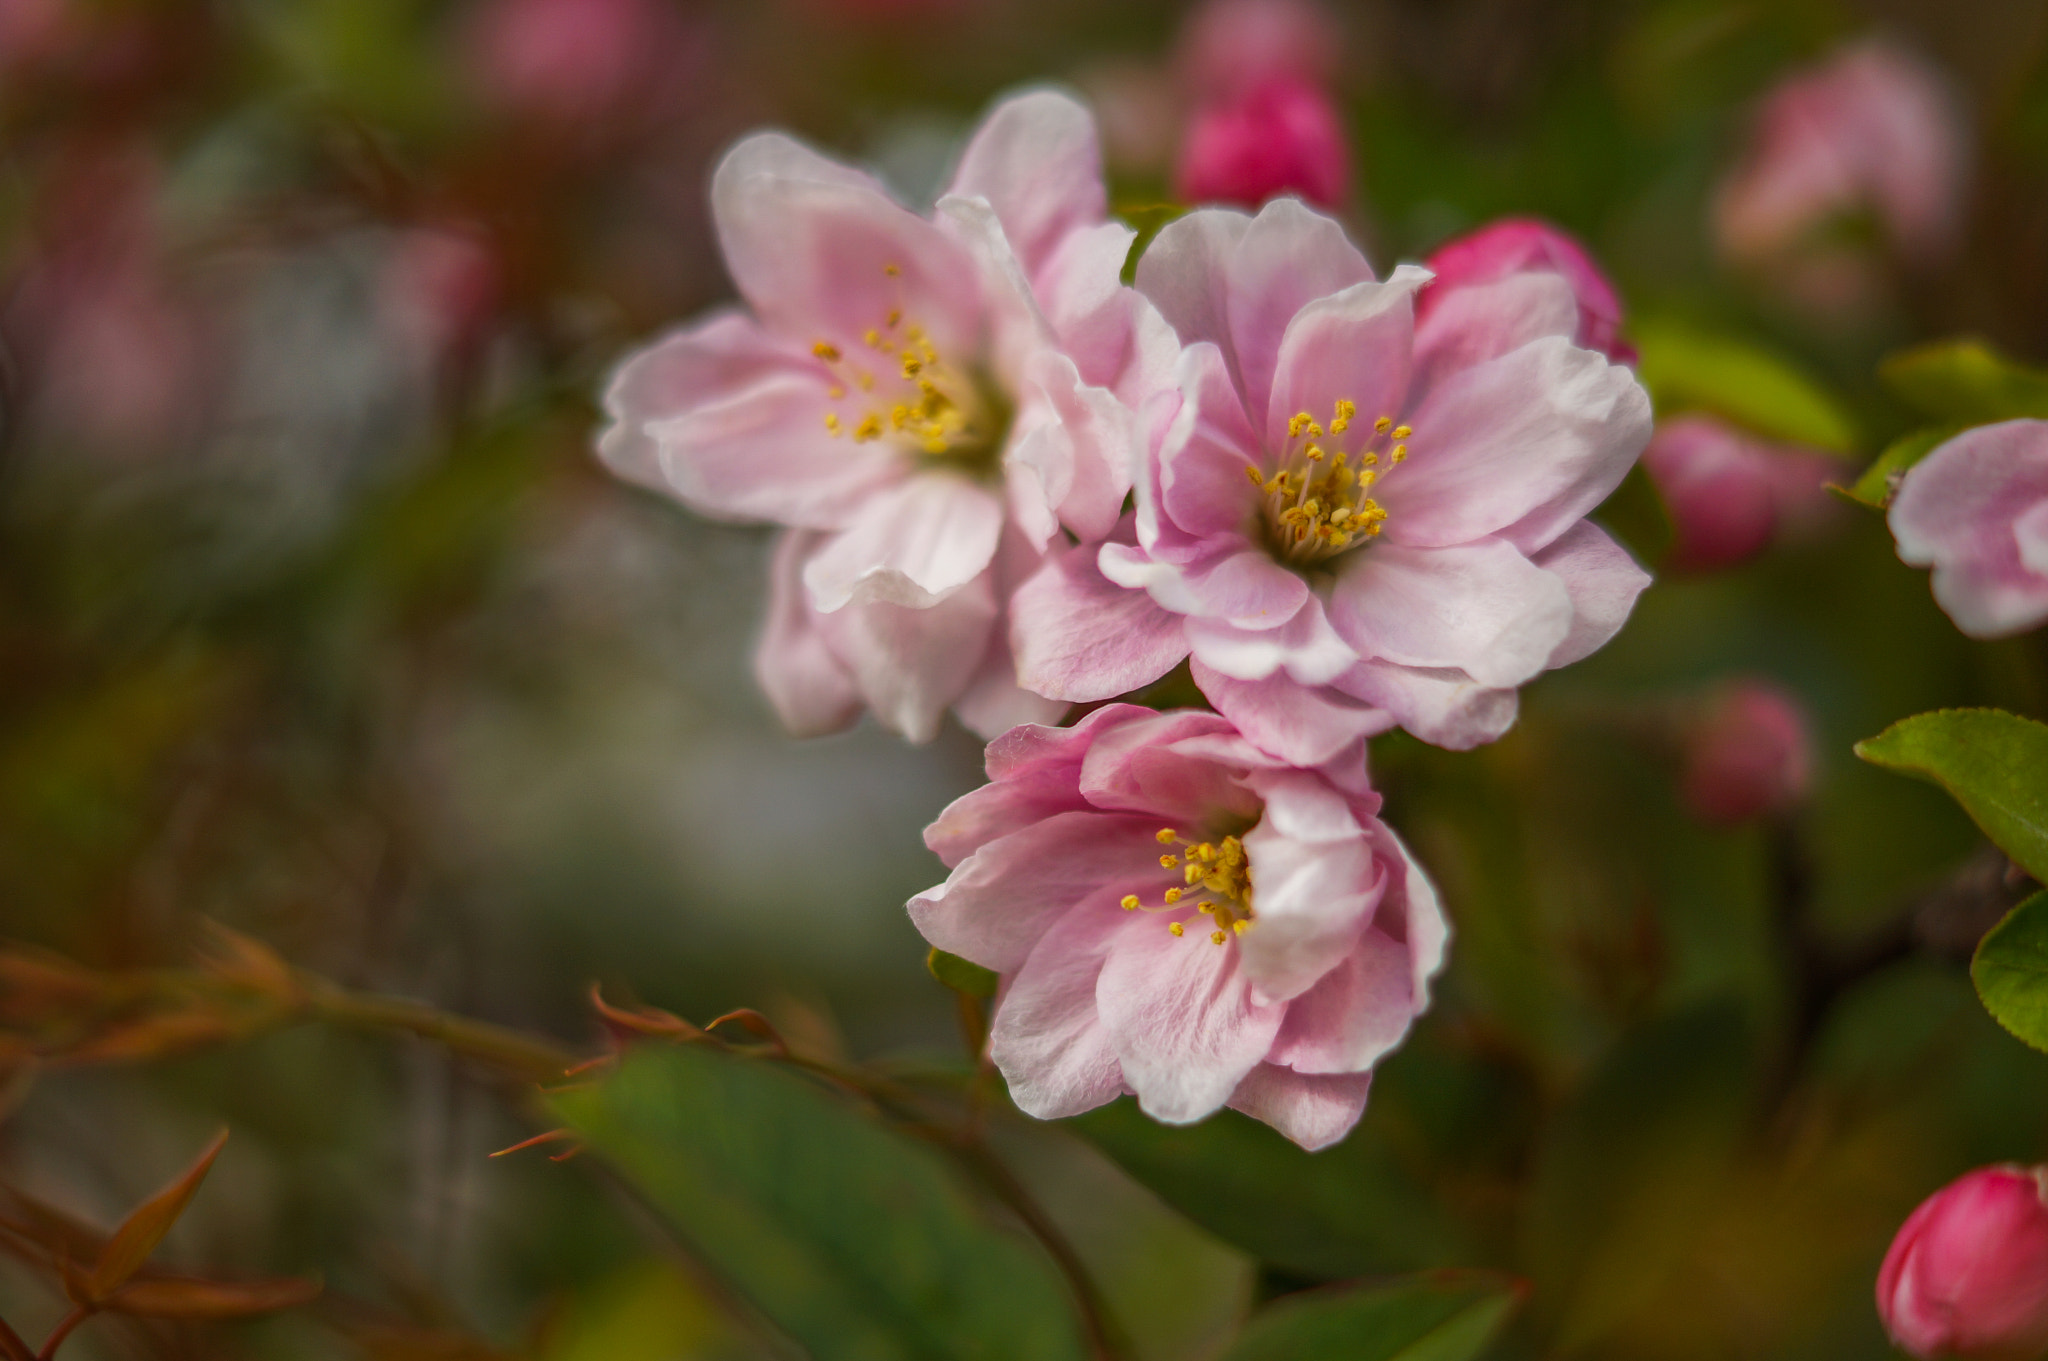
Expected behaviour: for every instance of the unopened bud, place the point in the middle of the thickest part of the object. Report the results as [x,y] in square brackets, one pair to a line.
[1282,138]
[1967,1275]
[1747,753]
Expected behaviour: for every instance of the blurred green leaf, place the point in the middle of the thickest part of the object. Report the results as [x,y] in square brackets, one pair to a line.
[1442,1316]
[2011,971]
[854,1240]
[1347,1211]
[1875,487]
[961,975]
[1994,763]
[1629,1172]
[1967,381]
[1740,381]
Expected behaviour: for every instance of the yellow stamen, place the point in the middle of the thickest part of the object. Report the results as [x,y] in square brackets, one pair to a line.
[1130,902]
[1174,927]
[827,352]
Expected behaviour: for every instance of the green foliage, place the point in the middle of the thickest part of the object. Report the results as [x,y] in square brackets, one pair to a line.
[1994,763]
[1875,487]
[1966,381]
[961,975]
[1347,1211]
[1443,1316]
[2011,971]
[855,1241]
[1687,368]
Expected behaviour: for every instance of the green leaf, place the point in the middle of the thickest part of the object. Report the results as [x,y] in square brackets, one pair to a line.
[1967,381]
[1351,1210]
[1995,764]
[856,1241]
[2011,971]
[1736,379]
[1442,1316]
[961,975]
[1875,487]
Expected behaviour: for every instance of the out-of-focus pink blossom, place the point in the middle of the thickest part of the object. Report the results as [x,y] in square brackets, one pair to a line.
[1282,137]
[1229,48]
[31,30]
[114,354]
[1176,914]
[1515,245]
[1349,518]
[1967,1275]
[1731,495]
[1140,110]
[1874,129]
[1747,753]
[571,60]
[1976,511]
[928,404]
[439,288]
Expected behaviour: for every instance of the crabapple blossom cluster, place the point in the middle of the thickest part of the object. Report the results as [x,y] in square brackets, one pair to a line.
[1008,483]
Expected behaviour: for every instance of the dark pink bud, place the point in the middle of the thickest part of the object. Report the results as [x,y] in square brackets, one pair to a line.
[1730,494]
[1967,1275]
[1282,138]
[1515,244]
[1746,754]
[1231,47]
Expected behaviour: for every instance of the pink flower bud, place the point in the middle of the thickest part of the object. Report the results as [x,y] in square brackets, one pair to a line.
[1515,244]
[1746,754]
[1282,138]
[1231,47]
[1730,494]
[572,59]
[1967,1275]
[438,288]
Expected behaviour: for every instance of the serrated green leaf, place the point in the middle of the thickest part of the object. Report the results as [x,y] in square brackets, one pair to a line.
[1442,1316]
[2011,971]
[961,975]
[856,1241]
[1736,379]
[1875,487]
[1966,381]
[1995,764]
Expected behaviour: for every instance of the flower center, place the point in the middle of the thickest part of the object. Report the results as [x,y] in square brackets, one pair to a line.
[901,389]
[1319,502]
[1218,869]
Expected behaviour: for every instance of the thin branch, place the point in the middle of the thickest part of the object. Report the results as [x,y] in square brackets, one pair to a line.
[495,1046]
[79,1314]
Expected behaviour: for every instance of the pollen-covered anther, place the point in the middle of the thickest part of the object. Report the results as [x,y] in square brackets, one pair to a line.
[1319,495]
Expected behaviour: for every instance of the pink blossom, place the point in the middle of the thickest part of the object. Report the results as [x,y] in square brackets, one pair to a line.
[1976,511]
[1730,494]
[1282,137]
[1228,48]
[1175,913]
[1328,584]
[572,60]
[1873,129]
[1514,245]
[1967,1275]
[438,288]
[925,402]
[1747,753]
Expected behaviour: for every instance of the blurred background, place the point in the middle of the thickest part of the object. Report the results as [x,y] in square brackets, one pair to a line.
[319,620]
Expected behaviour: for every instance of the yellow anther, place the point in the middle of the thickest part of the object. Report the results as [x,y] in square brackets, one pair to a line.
[835,392]
[899,415]
[1299,422]
[1346,408]
[1399,455]
[892,270]
[912,366]
[1367,478]
[872,337]
[1165,836]
[868,429]
[895,315]
[1174,895]
[1167,862]
[1314,431]
[1403,431]
[1216,937]
[866,381]
[1368,460]
[832,423]
[1130,902]
[1174,927]
[1258,478]
[1314,453]
[826,351]
[1339,426]
[1239,925]
[1383,424]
